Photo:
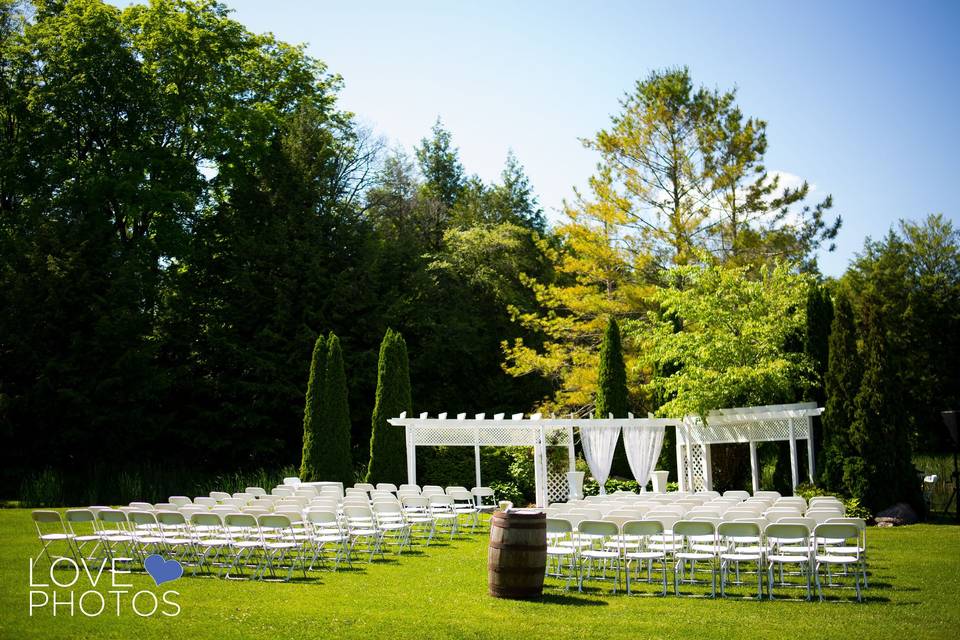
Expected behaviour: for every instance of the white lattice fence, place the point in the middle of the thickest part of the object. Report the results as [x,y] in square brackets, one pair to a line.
[697,460]
[558,490]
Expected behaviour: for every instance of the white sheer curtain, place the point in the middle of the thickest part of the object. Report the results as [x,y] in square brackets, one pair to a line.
[599,444]
[643,449]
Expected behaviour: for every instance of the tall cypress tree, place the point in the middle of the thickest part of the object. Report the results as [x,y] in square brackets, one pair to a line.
[880,470]
[841,384]
[612,390]
[387,445]
[310,461]
[335,462]
[816,344]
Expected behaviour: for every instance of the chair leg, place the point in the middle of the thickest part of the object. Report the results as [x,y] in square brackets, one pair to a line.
[816,576]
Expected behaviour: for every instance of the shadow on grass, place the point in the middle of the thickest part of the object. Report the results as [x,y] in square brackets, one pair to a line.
[568,599]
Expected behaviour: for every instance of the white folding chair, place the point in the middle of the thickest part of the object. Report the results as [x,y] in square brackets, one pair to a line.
[641,533]
[444,516]
[845,554]
[559,532]
[783,543]
[362,528]
[597,555]
[419,517]
[697,543]
[115,536]
[328,542]
[742,544]
[208,541]
[280,545]
[82,527]
[51,531]
[392,525]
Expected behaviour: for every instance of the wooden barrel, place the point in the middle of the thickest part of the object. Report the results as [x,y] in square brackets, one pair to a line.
[517,556]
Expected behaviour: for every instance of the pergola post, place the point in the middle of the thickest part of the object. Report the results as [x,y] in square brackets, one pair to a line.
[681,476]
[707,468]
[411,452]
[476,455]
[811,463]
[754,467]
[691,485]
[571,452]
[794,475]
[540,468]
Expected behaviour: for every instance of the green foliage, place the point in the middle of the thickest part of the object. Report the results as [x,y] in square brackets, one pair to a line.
[611,376]
[43,489]
[672,149]
[723,336]
[909,282]
[521,472]
[311,461]
[844,373]
[817,335]
[611,395]
[592,488]
[853,508]
[387,444]
[879,472]
[440,165]
[509,491]
[334,461]
[816,345]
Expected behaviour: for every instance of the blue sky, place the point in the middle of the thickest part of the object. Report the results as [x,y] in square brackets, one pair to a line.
[861,98]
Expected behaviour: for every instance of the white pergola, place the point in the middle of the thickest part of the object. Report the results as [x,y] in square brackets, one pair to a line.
[743,425]
[536,431]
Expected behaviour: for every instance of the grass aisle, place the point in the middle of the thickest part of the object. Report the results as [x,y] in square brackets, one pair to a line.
[914,594]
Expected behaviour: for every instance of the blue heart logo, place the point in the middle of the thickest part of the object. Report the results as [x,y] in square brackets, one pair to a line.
[162,570]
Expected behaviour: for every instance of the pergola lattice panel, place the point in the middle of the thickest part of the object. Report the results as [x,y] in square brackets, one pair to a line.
[558,489]
[493,436]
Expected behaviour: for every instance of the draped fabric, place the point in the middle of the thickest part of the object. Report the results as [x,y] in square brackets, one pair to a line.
[599,444]
[643,450]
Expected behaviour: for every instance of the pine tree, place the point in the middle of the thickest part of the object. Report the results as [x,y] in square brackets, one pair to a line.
[879,470]
[612,395]
[387,445]
[310,468]
[335,461]
[841,384]
[816,345]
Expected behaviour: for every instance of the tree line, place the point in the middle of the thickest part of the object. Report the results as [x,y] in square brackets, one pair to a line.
[184,209]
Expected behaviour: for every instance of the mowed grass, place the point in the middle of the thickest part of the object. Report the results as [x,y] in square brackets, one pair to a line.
[441,592]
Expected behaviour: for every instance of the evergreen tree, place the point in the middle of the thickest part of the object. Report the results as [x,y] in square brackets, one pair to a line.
[841,383]
[387,445]
[816,346]
[612,395]
[880,470]
[311,460]
[335,461]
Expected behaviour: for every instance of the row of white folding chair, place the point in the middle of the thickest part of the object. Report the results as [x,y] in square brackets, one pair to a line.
[719,545]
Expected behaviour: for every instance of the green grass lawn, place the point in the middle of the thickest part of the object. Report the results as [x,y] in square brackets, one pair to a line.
[441,593]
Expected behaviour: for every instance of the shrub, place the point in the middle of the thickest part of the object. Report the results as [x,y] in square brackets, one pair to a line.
[387,445]
[44,489]
[313,414]
[852,505]
[592,488]
[509,491]
[611,397]
[334,462]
